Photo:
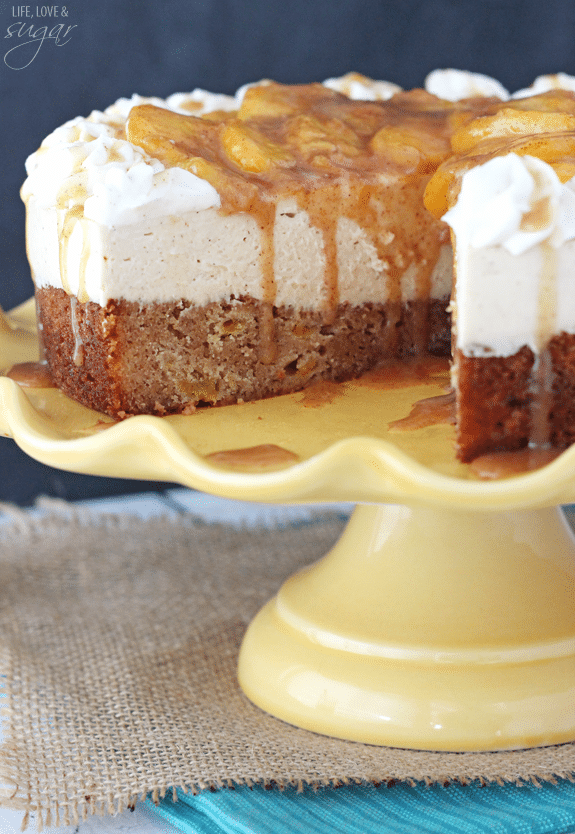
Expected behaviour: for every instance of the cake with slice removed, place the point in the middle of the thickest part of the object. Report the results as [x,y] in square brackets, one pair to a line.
[206,250]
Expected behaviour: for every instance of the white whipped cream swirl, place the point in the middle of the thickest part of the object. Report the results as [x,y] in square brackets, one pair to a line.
[496,198]
[454,84]
[514,228]
[84,162]
[544,83]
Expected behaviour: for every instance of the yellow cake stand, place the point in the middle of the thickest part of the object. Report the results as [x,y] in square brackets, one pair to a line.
[443,619]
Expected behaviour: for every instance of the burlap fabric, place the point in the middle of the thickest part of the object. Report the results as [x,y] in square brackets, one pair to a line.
[118,642]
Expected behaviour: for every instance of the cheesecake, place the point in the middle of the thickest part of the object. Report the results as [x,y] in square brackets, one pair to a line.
[206,249]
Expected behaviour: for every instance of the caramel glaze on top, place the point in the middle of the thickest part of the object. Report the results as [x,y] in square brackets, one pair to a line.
[366,161]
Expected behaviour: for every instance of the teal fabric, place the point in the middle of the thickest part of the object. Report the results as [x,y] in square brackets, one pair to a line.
[365,809]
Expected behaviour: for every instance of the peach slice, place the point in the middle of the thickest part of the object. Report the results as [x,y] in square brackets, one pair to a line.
[550,147]
[171,137]
[419,100]
[565,169]
[440,189]
[250,150]
[310,136]
[270,100]
[557,101]
[557,149]
[187,142]
[510,123]
[410,146]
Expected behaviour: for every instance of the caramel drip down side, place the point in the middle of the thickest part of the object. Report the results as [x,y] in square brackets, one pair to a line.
[542,371]
[78,355]
[84,256]
[323,207]
[426,266]
[66,227]
[70,208]
[331,283]
[66,223]
[388,246]
[266,218]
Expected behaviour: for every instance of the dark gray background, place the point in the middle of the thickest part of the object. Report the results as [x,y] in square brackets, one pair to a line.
[156,47]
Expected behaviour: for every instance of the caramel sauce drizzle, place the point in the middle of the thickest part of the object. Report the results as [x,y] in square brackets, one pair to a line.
[84,255]
[266,456]
[68,218]
[432,411]
[31,375]
[70,208]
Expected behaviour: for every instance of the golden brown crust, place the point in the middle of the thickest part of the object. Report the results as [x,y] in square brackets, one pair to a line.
[493,401]
[93,381]
[496,398]
[169,358]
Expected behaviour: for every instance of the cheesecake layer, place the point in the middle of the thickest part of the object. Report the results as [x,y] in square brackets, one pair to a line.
[206,256]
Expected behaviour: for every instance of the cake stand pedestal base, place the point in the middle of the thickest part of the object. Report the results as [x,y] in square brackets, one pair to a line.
[426,628]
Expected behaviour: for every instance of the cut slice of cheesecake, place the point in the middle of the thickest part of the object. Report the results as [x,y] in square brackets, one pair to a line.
[511,191]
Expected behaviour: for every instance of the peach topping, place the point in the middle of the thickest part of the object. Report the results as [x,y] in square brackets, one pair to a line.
[283,135]
[541,126]
[289,140]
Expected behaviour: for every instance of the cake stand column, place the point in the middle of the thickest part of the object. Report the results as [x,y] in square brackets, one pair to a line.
[426,628]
